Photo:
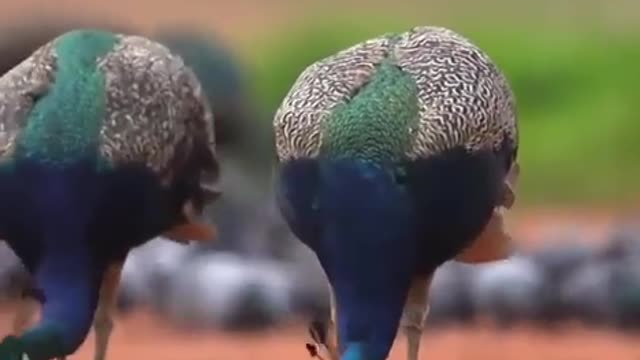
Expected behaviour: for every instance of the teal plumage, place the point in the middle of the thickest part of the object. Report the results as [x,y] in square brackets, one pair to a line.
[372,125]
[57,132]
[394,155]
[106,141]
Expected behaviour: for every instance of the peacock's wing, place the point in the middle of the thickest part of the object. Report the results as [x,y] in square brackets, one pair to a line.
[321,87]
[158,115]
[464,98]
[465,101]
[20,88]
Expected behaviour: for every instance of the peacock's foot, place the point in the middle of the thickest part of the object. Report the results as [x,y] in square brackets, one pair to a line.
[12,348]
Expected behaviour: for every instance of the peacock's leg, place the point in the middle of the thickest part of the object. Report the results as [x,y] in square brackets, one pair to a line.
[103,320]
[332,331]
[415,312]
[510,184]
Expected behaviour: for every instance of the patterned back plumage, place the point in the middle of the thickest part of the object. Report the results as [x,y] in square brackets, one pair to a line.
[463,98]
[156,113]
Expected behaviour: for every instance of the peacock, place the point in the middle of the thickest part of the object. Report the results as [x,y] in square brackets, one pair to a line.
[222,82]
[106,141]
[396,155]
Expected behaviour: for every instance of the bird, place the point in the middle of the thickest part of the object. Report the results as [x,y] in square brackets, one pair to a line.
[22,40]
[106,141]
[394,156]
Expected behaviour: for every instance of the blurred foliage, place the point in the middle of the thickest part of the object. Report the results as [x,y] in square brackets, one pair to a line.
[576,93]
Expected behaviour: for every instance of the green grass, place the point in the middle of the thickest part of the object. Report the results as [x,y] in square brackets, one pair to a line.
[577,96]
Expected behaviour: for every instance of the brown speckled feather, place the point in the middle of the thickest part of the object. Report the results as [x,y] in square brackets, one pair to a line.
[18,90]
[156,112]
[464,100]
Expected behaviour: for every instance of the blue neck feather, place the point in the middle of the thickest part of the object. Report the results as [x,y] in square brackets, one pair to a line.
[60,131]
[70,281]
[50,229]
[367,250]
[66,224]
[375,226]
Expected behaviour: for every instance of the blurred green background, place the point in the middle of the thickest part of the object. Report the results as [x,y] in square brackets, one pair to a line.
[573,65]
[576,90]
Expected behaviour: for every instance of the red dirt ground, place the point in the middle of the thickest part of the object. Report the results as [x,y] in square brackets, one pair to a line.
[141,336]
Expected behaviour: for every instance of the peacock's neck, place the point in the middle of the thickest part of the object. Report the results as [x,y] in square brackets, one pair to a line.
[367,222]
[69,277]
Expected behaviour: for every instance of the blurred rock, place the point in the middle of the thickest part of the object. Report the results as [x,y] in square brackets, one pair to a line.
[229,291]
[585,293]
[624,241]
[450,296]
[622,252]
[147,272]
[559,257]
[624,291]
[508,291]
[562,252]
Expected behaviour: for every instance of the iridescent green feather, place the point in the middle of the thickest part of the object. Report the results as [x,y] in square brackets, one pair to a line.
[60,131]
[375,125]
